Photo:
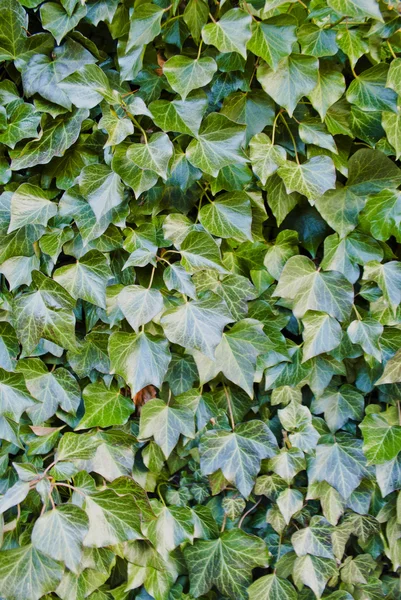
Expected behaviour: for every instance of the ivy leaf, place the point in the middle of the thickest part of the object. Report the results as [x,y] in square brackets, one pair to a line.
[229,216]
[328,292]
[144,25]
[317,42]
[388,278]
[382,214]
[102,189]
[58,21]
[237,453]
[370,171]
[381,436]
[226,563]
[350,8]
[139,305]
[50,389]
[271,587]
[199,251]
[88,86]
[218,144]
[312,178]
[104,406]
[340,208]
[339,406]
[30,205]
[37,574]
[295,76]
[366,333]
[340,462]
[45,312]
[9,347]
[184,116]
[315,133]
[153,155]
[321,334]
[392,126]
[22,123]
[198,324]
[231,33]
[57,136]
[273,39]
[165,424]
[265,157]
[314,572]
[14,24]
[87,279]
[186,74]
[329,89]
[113,518]
[314,539]
[140,359]
[238,350]
[368,90]
[59,534]
[353,43]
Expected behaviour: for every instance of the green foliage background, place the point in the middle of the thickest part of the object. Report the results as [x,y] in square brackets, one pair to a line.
[200,297]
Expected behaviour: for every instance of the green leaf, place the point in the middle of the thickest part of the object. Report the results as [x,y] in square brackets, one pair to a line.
[22,123]
[27,573]
[153,155]
[388,278]
[360,9]
[321,334]
[312,178]
[328,292]
[271,587]
[139,305]
[57,136]
[314,572]
[368,90]
[392,126]
[140,359]
[231,33]
[9,347]
[165,424]
[102,189]
[329,88]
[371,171]
[113,518]
[273,39]
[104,406]
[265,157]
[198,324]
[315,133]
[339,406]
[226,563]
[56,20]
[218,144]
[186,74]
[366,333]
[30,205]
[50,389]
[353,43]
[340,462]
[144,25]
[45,312]
[230,216]
[295,76]
[59,534]
[317,42]
[340,208]
[13,28]
[88,86]
[381,436]
[199,251]
[87,279]
[184,116]
[393,81]
[237,453]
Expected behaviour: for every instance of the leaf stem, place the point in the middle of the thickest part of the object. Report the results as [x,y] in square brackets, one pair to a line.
[248,511]
[230,408]
[291,136]
[274,126]
[393,54]
[151,278]
[71,487]
[199,49]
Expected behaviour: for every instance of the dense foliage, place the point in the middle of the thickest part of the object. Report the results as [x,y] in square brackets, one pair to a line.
[200,331]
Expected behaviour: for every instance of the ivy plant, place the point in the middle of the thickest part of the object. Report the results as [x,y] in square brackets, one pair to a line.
[200,299]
